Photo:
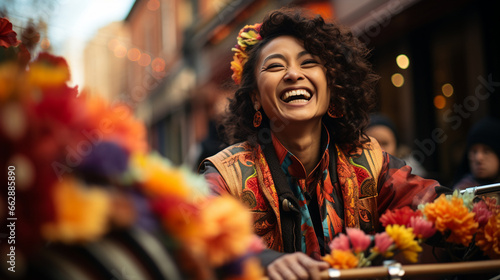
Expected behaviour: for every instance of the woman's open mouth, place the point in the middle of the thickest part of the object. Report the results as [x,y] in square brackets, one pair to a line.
[296,96]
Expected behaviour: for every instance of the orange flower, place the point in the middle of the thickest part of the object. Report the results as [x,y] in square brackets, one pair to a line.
[252,269]
[237,67]
[157,177]
[488,237]
[248,36]
[405,241]
[180,218]
[453,216]
[115,123]
[225,229]
[339,259]
[81,213]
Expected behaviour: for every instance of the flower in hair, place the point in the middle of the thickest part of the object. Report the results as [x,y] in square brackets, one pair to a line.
[248,36]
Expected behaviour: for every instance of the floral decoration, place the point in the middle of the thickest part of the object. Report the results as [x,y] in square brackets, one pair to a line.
[461,224]
[247,37]
[84,169]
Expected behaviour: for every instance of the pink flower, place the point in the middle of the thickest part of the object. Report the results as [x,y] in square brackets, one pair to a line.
[359,240]
[483,214]
[341,242]
[382,242]
[422,228]
[399,216]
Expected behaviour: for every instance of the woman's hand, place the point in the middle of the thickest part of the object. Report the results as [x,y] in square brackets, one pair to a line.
[295,266]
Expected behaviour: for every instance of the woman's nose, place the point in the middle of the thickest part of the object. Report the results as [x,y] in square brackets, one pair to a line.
[293,74]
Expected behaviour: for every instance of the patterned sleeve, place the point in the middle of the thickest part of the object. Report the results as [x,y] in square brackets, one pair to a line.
[398,187]
[216,183]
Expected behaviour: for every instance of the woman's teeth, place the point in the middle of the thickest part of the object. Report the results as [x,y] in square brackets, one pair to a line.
[296,96]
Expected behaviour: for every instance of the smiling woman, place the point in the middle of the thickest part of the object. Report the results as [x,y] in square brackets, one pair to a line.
[300,159]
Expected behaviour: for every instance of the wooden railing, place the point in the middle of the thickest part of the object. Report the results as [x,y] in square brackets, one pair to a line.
[396,271]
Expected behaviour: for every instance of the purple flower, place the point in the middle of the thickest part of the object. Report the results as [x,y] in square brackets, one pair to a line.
[104,159]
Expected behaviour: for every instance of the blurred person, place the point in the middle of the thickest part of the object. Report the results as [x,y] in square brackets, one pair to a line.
[213,104]
[384,130]
[481,161]
[300,158]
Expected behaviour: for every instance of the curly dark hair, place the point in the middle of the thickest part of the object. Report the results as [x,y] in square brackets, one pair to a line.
[349,77]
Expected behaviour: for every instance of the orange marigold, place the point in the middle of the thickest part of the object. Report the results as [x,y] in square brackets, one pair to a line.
[115,123]
[453,216]
[81,213]
[488,237]
[225,229]
[339,259]
[157,177]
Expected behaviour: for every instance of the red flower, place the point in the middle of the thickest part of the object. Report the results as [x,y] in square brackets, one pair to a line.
[8,37]
[399,216]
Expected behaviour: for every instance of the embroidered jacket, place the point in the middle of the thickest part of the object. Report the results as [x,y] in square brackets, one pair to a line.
[352,191]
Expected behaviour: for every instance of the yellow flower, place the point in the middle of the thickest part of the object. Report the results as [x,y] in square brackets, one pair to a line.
[488,237]
[405,241]
[237,67]
[9,72]
[340,259]
[452,215]
[49,71]
[81,212]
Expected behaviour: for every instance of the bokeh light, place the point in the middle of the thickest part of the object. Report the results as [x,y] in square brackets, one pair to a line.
[447,90]
[158,64]
[120,51]
[153,5]
[439,101]
[397,80]
[403,61]
[134,54]
[145,60]
[45,44]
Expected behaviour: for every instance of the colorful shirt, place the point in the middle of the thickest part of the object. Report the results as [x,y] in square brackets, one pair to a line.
[306,189]
[349,191]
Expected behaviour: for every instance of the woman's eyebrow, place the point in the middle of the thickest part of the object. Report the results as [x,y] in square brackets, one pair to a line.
[275,55]
[302,53]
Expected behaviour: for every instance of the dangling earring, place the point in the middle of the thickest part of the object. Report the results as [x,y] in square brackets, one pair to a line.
[257,117]
[333,113]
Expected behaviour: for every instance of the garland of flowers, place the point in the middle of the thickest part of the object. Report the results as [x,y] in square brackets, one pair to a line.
[457,219]
[247,37]
[79,162]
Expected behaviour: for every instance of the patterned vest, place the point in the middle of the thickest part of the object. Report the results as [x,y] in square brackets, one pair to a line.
[248,177]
